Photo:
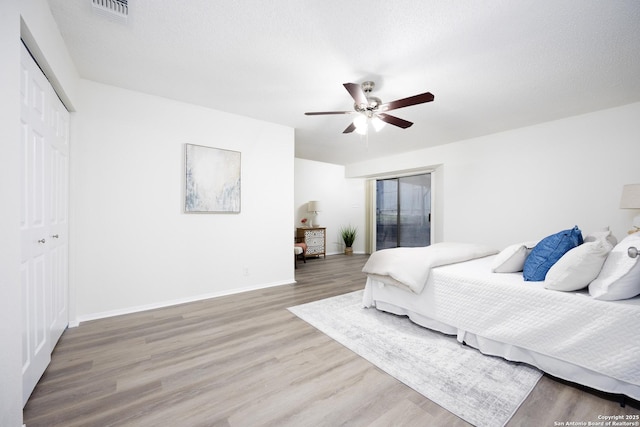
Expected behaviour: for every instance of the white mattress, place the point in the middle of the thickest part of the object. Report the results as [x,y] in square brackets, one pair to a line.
[569,335]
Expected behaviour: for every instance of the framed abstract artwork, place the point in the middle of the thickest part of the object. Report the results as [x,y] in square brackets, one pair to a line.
[212,180]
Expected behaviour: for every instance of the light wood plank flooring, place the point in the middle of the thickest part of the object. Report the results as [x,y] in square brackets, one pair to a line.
[244,360]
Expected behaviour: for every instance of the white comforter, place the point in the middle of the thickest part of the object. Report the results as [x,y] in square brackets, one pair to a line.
[410,267]
[572,327]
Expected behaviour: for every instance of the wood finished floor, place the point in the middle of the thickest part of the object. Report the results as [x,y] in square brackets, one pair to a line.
[244,360]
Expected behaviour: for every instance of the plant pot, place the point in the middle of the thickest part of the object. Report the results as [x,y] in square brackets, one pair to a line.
[348,251]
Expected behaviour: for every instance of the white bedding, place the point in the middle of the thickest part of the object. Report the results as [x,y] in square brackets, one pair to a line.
[410,267]
[587,337]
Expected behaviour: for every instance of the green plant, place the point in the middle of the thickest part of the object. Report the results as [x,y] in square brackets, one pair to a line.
[348,234]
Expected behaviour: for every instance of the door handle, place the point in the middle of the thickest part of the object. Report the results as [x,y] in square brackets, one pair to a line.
[41,241]
[55,236]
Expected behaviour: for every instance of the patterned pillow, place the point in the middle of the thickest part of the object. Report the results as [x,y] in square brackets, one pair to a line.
[548,252]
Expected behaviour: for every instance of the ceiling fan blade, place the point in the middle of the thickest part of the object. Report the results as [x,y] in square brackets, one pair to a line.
[393,120]
[320,113]
[349,128]
[406,102]
[356,92]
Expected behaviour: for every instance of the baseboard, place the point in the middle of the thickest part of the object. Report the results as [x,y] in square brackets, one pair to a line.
[137,309]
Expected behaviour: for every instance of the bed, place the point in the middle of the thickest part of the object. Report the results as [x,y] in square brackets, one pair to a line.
[570,335]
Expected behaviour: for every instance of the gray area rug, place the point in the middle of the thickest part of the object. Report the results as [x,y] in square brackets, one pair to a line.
[482,390]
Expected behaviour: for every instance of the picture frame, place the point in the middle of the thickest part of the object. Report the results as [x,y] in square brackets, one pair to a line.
[212,180]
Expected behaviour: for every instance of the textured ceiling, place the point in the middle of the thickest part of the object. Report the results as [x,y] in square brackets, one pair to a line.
[492,65]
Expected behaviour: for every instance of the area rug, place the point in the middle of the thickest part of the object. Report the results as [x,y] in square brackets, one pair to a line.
[482,390]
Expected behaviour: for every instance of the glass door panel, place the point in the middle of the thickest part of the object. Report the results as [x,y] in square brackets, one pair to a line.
[403,212]
[386,213]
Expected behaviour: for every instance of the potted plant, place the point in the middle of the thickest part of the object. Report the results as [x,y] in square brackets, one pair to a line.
[348,237]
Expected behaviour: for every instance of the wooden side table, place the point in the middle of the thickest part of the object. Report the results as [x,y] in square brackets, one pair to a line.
[315,239]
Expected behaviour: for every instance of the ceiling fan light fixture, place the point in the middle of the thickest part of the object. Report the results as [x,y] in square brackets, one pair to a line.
[377,123]
[360,123]
[362,130]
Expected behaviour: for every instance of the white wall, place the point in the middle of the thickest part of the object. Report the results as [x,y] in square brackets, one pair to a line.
[343,201]
[530,182]
[132,247]
[10,313]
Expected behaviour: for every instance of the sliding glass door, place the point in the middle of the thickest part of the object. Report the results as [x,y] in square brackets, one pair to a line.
[403,211]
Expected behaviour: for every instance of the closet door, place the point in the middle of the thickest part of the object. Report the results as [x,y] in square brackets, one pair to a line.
[43,221]
[58,219]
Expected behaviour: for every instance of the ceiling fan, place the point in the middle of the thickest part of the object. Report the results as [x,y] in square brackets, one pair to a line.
[371,108]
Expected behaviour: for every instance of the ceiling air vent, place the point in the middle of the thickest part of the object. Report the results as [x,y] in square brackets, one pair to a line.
[116,10]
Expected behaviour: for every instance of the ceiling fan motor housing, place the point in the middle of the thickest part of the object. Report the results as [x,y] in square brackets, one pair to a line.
[373,102]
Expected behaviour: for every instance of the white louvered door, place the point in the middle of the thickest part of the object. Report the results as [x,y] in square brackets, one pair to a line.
[43,221]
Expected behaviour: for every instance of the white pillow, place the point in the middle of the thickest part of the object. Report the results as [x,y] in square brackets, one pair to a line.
[511,259]
[603,233]
[578,267]
[620,275]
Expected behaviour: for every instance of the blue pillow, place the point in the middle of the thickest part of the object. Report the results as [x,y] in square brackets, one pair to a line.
[548,252]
